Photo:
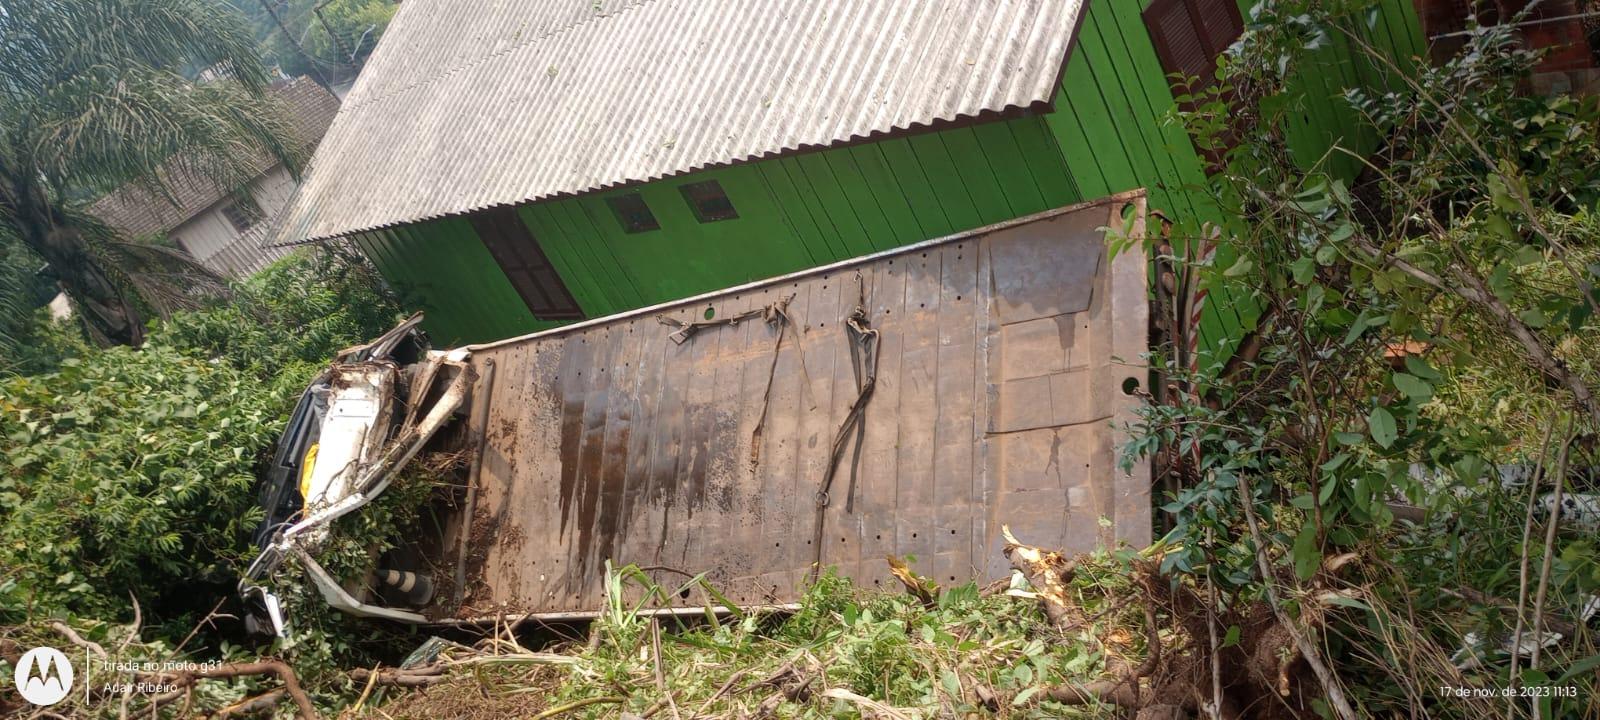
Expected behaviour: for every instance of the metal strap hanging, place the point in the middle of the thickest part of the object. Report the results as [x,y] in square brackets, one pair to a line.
[685,330]
[863,341]
[778,315]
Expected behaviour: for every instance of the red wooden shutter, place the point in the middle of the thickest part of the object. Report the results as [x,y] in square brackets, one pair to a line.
[1190,34]
[525,264]
[1220,22]
[1178,42]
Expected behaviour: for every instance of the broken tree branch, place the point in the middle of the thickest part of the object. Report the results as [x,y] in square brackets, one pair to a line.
[284,673]
[924,589]
[1548,559]
[1469,287]
[1048,572]
[866,703]
[73,637]
[417,677]
[1522,570]
[1330,684]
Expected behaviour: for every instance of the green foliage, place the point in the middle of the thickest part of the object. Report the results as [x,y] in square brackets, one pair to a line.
[22,291]
[355,26]
[331,300]
[129,472]
[99,94]
[933,661]
[1421,320]
[30,340]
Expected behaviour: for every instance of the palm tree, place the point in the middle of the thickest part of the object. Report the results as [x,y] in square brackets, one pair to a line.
[95,94]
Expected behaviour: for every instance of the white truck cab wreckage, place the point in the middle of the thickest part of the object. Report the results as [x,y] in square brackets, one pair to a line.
[357,425]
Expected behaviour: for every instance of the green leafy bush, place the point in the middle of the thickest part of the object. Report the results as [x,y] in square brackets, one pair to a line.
[128,473]
[1421,314]
[301,310]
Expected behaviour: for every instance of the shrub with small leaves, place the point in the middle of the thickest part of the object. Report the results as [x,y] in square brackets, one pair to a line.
[129,473]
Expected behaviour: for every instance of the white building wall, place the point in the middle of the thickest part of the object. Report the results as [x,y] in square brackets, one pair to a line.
[211,239]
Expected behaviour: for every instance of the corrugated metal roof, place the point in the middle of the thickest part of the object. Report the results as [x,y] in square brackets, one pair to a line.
[466,104]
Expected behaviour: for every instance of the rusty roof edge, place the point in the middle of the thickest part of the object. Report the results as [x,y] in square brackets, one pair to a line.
[1125,196]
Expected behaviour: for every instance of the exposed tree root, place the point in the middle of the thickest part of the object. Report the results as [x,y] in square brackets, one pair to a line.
[1262,675]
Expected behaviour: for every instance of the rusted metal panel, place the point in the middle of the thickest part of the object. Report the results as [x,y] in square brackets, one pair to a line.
[1001,359]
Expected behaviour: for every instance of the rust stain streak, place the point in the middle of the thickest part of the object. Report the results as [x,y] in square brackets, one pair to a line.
[616,444]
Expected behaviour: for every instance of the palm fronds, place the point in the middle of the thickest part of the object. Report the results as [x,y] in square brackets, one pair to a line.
[99,94]
[108,127]
[47,43]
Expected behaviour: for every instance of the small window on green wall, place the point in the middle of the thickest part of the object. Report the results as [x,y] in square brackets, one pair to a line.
[708,201]
[633,213]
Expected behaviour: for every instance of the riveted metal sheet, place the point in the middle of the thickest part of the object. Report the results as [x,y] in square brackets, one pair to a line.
[609,442]
[466,105]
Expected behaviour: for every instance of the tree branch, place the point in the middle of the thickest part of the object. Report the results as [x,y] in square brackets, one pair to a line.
[291,682]
[1468,286]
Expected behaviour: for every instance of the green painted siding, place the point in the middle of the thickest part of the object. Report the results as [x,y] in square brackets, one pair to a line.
[1108,133]
[443,269]
[794,213]
[1110,120]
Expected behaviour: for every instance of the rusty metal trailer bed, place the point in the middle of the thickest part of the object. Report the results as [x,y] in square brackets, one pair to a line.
[696,436]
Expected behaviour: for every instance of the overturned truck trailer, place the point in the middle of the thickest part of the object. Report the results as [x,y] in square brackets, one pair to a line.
[909,402]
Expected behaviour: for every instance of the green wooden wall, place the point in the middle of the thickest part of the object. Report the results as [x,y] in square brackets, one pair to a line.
[1114,97]
[794,213]
[1107,134]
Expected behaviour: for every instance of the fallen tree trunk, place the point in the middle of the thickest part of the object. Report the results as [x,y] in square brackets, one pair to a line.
[291,682]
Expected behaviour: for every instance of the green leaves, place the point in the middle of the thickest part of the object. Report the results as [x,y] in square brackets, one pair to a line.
[1303,270]
[1377,350]
[1305,553]
[131,470]
[1419,367]
[1380,423]
[1414,387]
[1364,322]
[1506,190]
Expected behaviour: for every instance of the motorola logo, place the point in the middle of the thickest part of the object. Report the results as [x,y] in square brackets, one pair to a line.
[43,676]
